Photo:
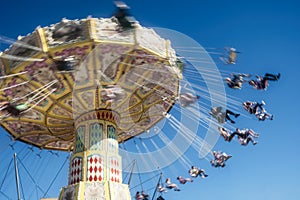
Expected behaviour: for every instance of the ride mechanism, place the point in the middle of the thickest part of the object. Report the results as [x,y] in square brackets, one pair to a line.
[89,85]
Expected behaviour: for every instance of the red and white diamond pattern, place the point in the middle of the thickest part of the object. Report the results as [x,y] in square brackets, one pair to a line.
[95,168]
[114,169]
[76,170]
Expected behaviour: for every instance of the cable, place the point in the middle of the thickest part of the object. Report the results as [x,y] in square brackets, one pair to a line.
[7,197]
[56,176]
[144,181]
[9,165]
[139,176]
[30,176]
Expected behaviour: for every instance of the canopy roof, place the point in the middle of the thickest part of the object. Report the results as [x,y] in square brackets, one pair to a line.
[137,64]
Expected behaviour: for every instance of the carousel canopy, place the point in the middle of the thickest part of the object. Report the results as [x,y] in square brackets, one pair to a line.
[76,66]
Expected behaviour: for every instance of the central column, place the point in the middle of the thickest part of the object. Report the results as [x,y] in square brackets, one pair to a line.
[96,166]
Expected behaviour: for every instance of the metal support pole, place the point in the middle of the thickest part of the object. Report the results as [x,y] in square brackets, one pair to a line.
[158,183]
[17,176]
[131,172]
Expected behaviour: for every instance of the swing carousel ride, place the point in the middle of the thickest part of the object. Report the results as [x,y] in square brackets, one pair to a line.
[88,86]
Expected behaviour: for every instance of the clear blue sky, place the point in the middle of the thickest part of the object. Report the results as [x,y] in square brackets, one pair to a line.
[268,35]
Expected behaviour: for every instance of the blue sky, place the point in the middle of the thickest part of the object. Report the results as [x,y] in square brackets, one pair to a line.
[268,35]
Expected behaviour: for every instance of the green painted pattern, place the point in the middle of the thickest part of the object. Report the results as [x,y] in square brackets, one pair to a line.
[96,136]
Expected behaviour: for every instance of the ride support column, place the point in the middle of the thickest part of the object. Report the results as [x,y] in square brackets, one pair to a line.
[96,167]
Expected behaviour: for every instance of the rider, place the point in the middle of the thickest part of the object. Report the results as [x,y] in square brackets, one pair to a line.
[160,198]
[257,109]
[232,56]
[261,83]
[125,20]
[187,99]
[245,136]
[184,180]
[195,171]
[217,113]
[252,107]
[262,115]
[225,133]
[111,93]
[220,159]
[139,196]
[145,196]
[161,188]
[171,185]
[12,109]
[236,81]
